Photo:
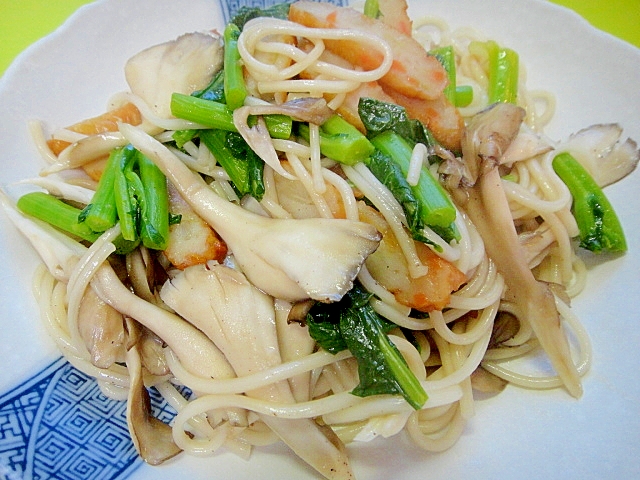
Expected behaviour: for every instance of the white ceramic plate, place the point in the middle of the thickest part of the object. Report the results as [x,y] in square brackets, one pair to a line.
[519,434]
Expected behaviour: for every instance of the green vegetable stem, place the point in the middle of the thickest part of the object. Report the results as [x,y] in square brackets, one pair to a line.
[397,134]
[154,214]
[101,214]
[371,8]
[64,217]
[503,73]
[502,70]
[340,141]
[600,229]
[127,194]
[57,213]
[205,112]
[235,90]
[460,96]
[216,115]
[132,191]
[436,207]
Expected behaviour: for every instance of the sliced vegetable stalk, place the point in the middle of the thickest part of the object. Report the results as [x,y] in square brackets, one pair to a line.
[128,191]
[55,212]
[503,73]
[244,167]
[235,90]
[371,8]
[340,141]
[219,116]
[436,208]
[460,96]
[279,126]
[154,214]
[353,323]
[213,92]
[205,112]
[65,217]
[464,96]
[101,214]
[600,229]
[133,192]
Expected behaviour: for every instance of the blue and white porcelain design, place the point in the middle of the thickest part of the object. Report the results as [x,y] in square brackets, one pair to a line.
[58,424]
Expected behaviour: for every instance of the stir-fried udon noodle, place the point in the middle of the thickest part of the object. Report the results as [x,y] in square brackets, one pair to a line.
[220,320]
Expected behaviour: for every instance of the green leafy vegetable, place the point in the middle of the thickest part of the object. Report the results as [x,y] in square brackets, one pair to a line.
[280,10]
[379,117]
[243,166]
[390,175]
[600,229]
[437,207]
[214,91]
[394,134]
[353,323]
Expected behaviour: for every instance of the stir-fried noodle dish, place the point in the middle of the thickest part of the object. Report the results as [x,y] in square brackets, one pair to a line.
[319,226]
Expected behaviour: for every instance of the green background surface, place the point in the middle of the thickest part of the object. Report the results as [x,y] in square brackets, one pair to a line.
[23,22]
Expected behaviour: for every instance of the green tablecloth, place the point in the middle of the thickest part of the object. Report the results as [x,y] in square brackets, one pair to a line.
[22,22]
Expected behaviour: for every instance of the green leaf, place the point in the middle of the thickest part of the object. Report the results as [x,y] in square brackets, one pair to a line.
[353,323]
[243,166]
[280,10]
[379,117]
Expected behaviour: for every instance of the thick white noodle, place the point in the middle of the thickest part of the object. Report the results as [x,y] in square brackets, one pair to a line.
[261,35]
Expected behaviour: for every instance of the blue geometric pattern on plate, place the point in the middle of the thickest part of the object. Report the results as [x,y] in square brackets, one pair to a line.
[58,424]
[230,7]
